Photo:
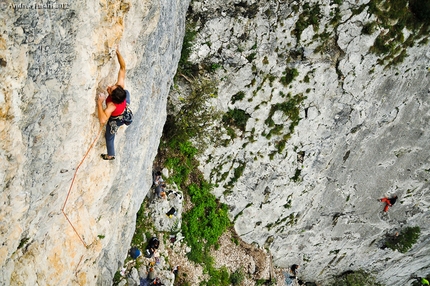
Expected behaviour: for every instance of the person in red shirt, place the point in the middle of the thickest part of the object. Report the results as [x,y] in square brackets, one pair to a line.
[116,102]
[388,202]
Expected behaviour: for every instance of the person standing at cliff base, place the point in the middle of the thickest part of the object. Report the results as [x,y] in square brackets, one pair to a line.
[388,202]
[116,102]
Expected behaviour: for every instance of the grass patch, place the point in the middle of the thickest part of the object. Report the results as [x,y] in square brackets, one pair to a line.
[237,174]
[290,108]
[212,67]
[237,277]
[204,223]
[237,97]
[217,276]
[296,177]
[394,16]
[235,118]
[192,120]
[184,65]
[289,76]
[251,57]
[143,228]
[181,165]
[310,16]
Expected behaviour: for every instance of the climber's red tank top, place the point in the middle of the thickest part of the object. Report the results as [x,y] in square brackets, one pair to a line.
[119,107]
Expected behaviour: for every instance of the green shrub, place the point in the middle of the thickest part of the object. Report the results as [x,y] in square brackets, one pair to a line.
[23,242]
[191,121]
[368,28]
[251,57]
[212,67]
[237,173]
[280,146]
[237,277]
[142,226]
[185,66]
[290,108]
[309,16]
[355,278]
[414,16]
[296,177]
[117,278]
[237,97]
[217,276]
[417,281]
[405,240]
[205,222]
[289,76]
[236,117]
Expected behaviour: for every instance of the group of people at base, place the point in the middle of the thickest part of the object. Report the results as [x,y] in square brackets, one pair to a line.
[151,279]
[151,249]
[150,253]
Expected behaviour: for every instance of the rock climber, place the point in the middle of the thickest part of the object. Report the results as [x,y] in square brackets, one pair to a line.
[388,202]
[116,102]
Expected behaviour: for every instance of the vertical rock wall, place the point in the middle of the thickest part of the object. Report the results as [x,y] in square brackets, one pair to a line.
[310,192]
[53,61]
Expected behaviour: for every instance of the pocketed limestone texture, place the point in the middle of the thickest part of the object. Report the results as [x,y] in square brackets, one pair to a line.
[337,120]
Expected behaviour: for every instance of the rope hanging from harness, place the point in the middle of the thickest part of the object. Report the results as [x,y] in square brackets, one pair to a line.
[72,183]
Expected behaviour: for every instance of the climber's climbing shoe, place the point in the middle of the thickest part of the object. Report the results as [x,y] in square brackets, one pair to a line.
[106,157]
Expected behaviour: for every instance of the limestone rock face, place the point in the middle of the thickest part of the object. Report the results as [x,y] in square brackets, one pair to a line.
[53,61]
[333,127]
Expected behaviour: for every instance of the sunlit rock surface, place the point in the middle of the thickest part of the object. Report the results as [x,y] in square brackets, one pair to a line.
[53,61]
[310,192]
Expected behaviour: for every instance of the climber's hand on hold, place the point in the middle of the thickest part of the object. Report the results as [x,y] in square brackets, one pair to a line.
[101,97]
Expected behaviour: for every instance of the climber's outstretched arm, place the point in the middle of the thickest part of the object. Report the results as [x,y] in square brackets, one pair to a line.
[121,73]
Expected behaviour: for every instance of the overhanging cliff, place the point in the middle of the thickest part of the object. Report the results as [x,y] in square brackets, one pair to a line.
[54,60]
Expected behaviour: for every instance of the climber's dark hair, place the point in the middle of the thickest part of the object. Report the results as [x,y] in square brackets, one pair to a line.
[118,95]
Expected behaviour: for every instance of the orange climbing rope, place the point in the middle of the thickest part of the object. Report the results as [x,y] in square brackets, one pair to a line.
[73,181]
